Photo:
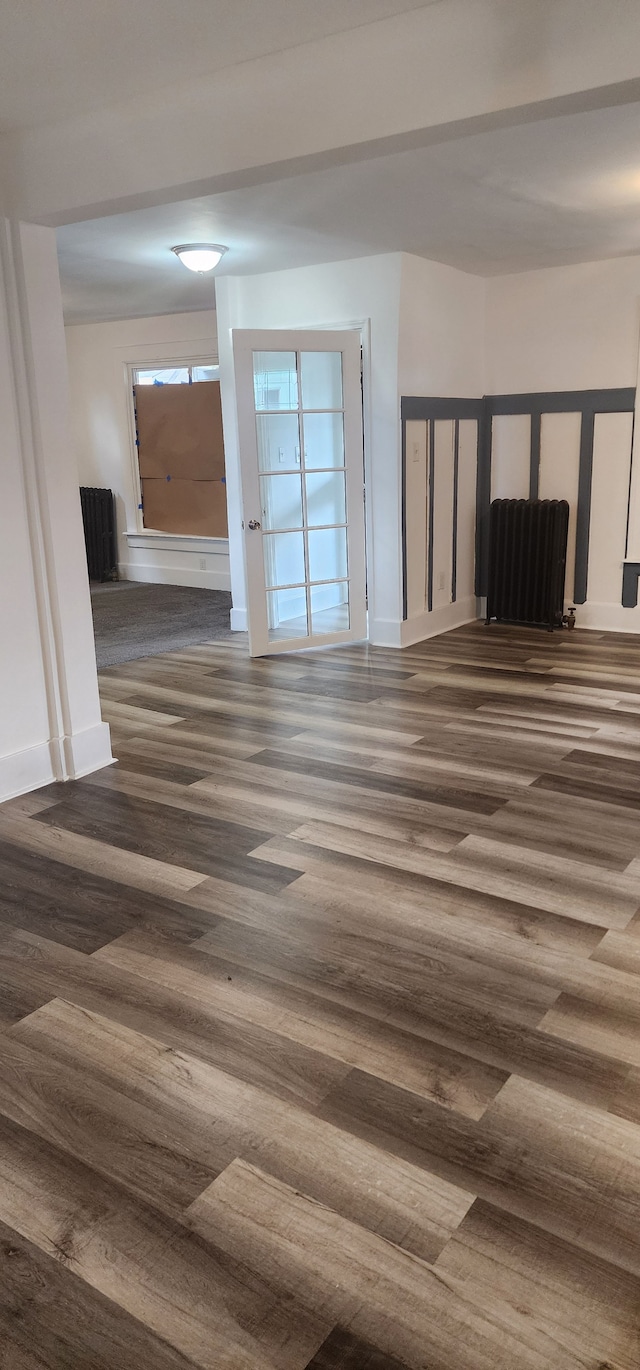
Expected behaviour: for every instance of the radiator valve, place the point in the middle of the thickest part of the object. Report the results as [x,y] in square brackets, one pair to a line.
[570,618]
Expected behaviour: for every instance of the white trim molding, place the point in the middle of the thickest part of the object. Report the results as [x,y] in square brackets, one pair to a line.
[27,770]
[179,542]
[87,751]
[158,574]
[441,620]
[73,738]
[385,632]
[420,627]
[608,618]
[66,758]
[177,559]
[239,622]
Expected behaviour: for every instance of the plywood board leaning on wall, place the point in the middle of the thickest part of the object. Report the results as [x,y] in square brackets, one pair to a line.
[191,507]
[180,431]
[181,458]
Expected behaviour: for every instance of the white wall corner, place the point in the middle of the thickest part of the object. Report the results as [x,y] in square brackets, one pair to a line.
[423,626]
[88,751]
[385,632]
[239,621]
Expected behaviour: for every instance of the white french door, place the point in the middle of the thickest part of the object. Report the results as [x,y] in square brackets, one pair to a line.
[299,403]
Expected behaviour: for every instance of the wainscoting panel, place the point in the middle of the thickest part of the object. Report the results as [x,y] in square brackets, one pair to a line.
[443,522]
[609,501]
[574,445]
[559,475]
[416,439]
[511,456]
[439,481]
[466,508]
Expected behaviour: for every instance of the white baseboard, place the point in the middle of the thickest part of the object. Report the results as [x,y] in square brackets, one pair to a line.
[88,751]
[608,618]
[238,621]
[385,632]
[174,575]
[423,626]
[388,632]
[26,770]
[61,759]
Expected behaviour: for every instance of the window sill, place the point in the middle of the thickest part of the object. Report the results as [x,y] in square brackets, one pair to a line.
[179,542]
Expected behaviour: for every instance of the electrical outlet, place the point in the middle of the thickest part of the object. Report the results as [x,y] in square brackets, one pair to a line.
[203,563]
[441,581]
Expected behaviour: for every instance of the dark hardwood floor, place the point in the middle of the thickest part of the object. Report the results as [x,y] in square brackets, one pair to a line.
[320,1017]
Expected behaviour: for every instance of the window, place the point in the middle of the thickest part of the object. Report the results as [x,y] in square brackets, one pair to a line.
[175,375]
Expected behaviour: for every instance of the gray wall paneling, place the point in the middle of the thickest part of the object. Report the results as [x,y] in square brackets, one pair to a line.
[429,410]
[588,403]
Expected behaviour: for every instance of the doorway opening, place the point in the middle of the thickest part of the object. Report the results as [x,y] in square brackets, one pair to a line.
[156,598]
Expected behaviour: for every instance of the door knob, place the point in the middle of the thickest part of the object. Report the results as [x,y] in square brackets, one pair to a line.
[253,524]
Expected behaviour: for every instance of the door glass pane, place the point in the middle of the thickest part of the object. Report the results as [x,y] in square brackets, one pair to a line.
[325,498]
[321,375]
[286,614]
[283,558]
[275,380]
[278,442]
[323,440]
[281,501]
[327,553]
[330,608]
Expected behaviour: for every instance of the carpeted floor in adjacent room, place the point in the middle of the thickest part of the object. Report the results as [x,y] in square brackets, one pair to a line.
[131,620]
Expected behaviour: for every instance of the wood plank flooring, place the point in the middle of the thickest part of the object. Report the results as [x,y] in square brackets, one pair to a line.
[320,1016]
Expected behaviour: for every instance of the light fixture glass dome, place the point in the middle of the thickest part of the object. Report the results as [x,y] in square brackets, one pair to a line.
[200,257]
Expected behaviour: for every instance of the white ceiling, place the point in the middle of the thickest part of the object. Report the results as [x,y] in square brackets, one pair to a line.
[61,58]
[544,194]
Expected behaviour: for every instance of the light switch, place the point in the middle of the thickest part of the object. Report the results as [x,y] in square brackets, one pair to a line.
[415,451]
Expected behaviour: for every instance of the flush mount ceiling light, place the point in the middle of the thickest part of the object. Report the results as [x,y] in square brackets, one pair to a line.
[200,257]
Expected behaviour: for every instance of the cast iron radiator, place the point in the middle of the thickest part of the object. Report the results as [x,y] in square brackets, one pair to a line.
[98,517]
[527,558]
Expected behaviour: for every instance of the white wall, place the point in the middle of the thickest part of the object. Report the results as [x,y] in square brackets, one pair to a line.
[441,347]
[339,294]
[50,724]
[565,328]
[573,328]
[441,352]
[101,417]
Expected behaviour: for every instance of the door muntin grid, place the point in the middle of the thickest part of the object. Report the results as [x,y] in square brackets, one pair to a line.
[300,421]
